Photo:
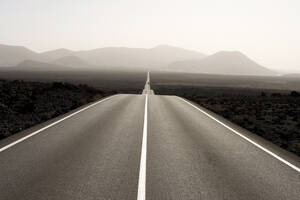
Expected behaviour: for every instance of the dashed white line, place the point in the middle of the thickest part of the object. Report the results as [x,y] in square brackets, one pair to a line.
[50,125]
[244,137]
[142,176]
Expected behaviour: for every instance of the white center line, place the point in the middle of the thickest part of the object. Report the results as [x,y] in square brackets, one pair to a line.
[50,125]
[246,138]
[142,176]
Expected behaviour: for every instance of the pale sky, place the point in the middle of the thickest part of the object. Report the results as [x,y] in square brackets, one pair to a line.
[268,31]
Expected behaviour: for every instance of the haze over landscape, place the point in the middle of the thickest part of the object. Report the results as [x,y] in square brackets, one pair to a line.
[159,58]
[266,31]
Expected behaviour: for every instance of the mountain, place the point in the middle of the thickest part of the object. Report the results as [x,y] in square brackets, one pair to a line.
[32,65]
[58,53]
[137,57]
[13,55]
[223,62]
[168,54]
[71,61]
[162,57]
[106,58]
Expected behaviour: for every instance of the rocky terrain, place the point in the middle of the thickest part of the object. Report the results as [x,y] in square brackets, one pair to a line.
[24,104]
[272,114]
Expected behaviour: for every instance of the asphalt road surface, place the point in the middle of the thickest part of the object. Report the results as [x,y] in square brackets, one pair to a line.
[144,147]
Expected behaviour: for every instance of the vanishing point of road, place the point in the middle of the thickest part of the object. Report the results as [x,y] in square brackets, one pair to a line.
[153,147]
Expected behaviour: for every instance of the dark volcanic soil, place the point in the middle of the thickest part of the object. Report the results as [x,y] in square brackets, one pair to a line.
[24,104]
[274,115]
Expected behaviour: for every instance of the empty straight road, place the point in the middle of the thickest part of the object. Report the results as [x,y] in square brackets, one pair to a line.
[144,147]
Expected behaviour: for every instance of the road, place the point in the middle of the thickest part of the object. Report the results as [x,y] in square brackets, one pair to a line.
[105,152]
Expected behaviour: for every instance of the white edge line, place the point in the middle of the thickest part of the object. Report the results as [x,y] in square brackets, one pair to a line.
[244,137]
[50,125]
[142,175]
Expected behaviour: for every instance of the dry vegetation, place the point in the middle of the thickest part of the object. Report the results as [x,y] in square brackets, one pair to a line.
[24,104]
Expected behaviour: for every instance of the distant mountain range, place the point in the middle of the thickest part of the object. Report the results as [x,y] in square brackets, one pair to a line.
[58,53]
[129,57]
[162,57]
[223,62]
[14,55]
[32,65]
[72,61]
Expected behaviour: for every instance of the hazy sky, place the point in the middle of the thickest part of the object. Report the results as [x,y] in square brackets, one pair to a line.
[268,31]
